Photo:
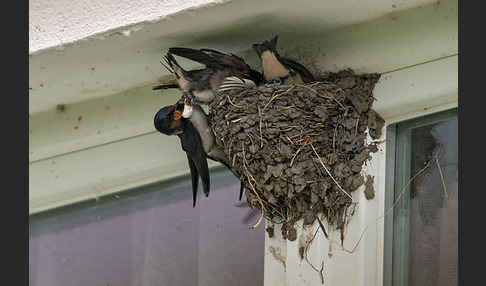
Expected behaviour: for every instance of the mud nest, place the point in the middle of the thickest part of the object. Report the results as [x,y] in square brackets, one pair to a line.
[300,149]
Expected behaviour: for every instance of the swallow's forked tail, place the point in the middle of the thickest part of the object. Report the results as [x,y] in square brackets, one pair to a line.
[166,86]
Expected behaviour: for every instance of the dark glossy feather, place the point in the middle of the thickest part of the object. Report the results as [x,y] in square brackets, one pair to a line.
[242,187]
[305,74]
[209,59]
[194,179]
[219,61]
[165,86]
[191,143]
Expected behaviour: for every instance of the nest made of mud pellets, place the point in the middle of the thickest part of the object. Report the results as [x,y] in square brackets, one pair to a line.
[300,149]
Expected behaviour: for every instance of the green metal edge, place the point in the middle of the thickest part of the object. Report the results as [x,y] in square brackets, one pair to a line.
[149,188]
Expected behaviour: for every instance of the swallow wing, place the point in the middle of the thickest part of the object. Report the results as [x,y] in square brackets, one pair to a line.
[192,145]
[256,76]
[242,187]
[295,66]
[208,59]
[165,86]
[218,60]
[194,179]
[201,163]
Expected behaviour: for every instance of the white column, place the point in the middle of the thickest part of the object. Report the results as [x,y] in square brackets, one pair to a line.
[284,266]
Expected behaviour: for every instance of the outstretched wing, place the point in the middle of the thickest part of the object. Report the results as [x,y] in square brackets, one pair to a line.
[165,86]
[209,58]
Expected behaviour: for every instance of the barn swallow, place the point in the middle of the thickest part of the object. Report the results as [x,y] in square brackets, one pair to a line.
[200,121]
[168,120]
[279,69]
[201,85]
[191,124]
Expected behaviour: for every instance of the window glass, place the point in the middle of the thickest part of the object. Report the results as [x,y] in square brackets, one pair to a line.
[421,237]
[433,210]
[151,238]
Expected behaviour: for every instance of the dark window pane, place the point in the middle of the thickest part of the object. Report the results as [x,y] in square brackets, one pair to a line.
[155,238]
[433,217]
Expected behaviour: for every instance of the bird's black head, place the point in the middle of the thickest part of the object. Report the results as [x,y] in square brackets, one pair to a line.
[168,120]
[267,45]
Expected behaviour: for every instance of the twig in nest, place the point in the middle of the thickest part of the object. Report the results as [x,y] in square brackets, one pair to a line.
[309,132]
[251,139]
[287,107]
[306,250]
[402,192]
[318,168]
[260,126]
[298,150]
[329,173]
[288,128]
[356,127]
[229,149]
[332,97]
[262,214]
[334,139]
[260,219]
[277,95]
[441,177]
[343,225]
[291,142]
[322,226]
[229,100]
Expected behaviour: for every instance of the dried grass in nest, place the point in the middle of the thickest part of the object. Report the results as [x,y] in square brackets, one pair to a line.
[300,149]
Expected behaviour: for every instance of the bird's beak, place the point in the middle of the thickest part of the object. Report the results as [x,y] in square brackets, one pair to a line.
[187,110]
[177,115]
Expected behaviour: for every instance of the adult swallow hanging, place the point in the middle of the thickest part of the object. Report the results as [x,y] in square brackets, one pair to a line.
[200,121]
[201,85]
[279,69]
[168,120]
[190,123]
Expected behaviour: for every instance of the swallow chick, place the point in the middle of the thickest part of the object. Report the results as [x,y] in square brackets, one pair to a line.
[201,85]
[278,69]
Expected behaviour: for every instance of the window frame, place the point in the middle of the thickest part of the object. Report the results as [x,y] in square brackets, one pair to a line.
[396,260]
